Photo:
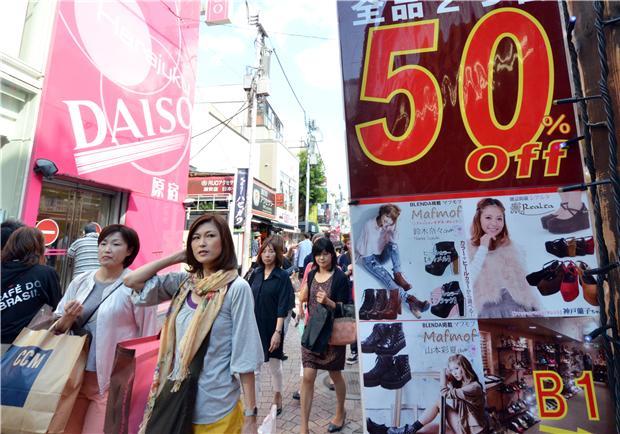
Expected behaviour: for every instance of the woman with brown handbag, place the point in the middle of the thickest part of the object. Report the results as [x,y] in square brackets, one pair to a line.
[209,336]
[327,285]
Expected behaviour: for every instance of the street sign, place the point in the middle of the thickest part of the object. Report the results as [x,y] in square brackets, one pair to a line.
[50,230]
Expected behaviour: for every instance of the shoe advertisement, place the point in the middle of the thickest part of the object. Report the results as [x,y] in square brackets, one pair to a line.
[475,248]
[433,367]
[482,257]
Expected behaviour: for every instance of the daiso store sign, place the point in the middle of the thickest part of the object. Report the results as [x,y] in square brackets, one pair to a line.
[117,102]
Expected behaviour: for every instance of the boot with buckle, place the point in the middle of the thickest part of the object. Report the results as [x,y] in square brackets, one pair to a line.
[369,345]
[383,364]
[399,375]
[446,254]
[416,306]
[451,299]
[381,301]
[367,304]
[393,339]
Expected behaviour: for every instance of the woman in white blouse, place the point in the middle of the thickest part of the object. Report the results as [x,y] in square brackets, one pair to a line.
[98,303]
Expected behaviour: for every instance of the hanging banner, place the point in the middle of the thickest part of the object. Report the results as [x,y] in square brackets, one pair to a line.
[241,191]
[472,301]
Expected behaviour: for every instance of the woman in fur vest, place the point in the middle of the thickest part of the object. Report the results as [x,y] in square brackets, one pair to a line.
[496,266]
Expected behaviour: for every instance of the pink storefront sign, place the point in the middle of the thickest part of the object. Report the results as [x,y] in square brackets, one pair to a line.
[117,100]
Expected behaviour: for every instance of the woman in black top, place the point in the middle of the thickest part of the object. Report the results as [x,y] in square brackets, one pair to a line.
[27,284]
[326,285]
[273,299]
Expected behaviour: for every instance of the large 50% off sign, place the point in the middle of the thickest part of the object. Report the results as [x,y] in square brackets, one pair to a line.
[382,81]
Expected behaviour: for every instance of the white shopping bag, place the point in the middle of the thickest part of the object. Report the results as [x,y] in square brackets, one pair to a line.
[269,423]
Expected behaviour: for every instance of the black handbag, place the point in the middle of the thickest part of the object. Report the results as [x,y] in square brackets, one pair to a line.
[173,411]
[318,330]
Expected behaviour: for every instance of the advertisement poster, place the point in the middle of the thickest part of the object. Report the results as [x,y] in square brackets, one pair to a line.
[470,291]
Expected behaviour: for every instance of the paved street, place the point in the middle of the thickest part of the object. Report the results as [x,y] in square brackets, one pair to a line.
[324,399]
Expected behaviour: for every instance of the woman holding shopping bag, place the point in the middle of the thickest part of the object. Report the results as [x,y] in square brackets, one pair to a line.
[99,304]
[210,334]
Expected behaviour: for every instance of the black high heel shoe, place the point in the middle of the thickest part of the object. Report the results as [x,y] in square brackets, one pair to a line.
[451,296]
[335,428]
[445,254]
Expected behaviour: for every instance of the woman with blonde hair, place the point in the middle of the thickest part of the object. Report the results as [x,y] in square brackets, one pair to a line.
[460,384]
[209,337]
[496,265]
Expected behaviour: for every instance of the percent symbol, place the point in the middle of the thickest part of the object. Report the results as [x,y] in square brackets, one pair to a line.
[552,125]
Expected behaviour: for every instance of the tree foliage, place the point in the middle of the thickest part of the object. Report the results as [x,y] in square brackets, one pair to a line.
[318,190]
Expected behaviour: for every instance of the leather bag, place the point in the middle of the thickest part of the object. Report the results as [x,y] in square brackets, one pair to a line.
[344,329]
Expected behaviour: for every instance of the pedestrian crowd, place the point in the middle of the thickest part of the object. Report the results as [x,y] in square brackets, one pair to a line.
[221,332]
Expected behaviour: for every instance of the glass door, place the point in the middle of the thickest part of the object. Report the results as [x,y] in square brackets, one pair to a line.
[72,207]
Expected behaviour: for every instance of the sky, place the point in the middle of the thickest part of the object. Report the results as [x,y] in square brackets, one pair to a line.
[304,33]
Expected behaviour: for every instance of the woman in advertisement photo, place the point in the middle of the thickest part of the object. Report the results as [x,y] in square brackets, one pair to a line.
[464,394]
[496,265]
[377,246]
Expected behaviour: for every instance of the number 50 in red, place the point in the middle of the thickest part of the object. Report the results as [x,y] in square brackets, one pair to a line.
[382,81]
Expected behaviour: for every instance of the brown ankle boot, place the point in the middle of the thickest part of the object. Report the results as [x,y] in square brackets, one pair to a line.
[400,281]
[416,306]
[381,302]
[393,307]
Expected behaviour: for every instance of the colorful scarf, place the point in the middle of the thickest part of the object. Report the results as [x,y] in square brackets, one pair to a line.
[212,289]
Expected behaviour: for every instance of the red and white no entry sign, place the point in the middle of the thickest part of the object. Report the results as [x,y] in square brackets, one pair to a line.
[50,230]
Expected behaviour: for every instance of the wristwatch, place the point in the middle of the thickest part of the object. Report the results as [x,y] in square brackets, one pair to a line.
[247,412]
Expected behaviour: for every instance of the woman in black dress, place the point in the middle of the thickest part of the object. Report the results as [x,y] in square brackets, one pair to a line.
[273,298]
[326,285]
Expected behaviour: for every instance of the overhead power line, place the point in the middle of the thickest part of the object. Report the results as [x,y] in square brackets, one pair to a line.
[221,122]
[224,125]
[289,82]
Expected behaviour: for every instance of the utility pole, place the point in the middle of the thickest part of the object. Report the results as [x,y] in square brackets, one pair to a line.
[310,151]
[259,44]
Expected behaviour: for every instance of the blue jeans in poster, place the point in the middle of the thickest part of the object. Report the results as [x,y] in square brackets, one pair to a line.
[374,265]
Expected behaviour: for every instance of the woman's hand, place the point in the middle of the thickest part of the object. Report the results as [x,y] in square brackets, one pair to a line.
[276,338]
[485,240]
[73,309]
[322,298]
[444,378]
